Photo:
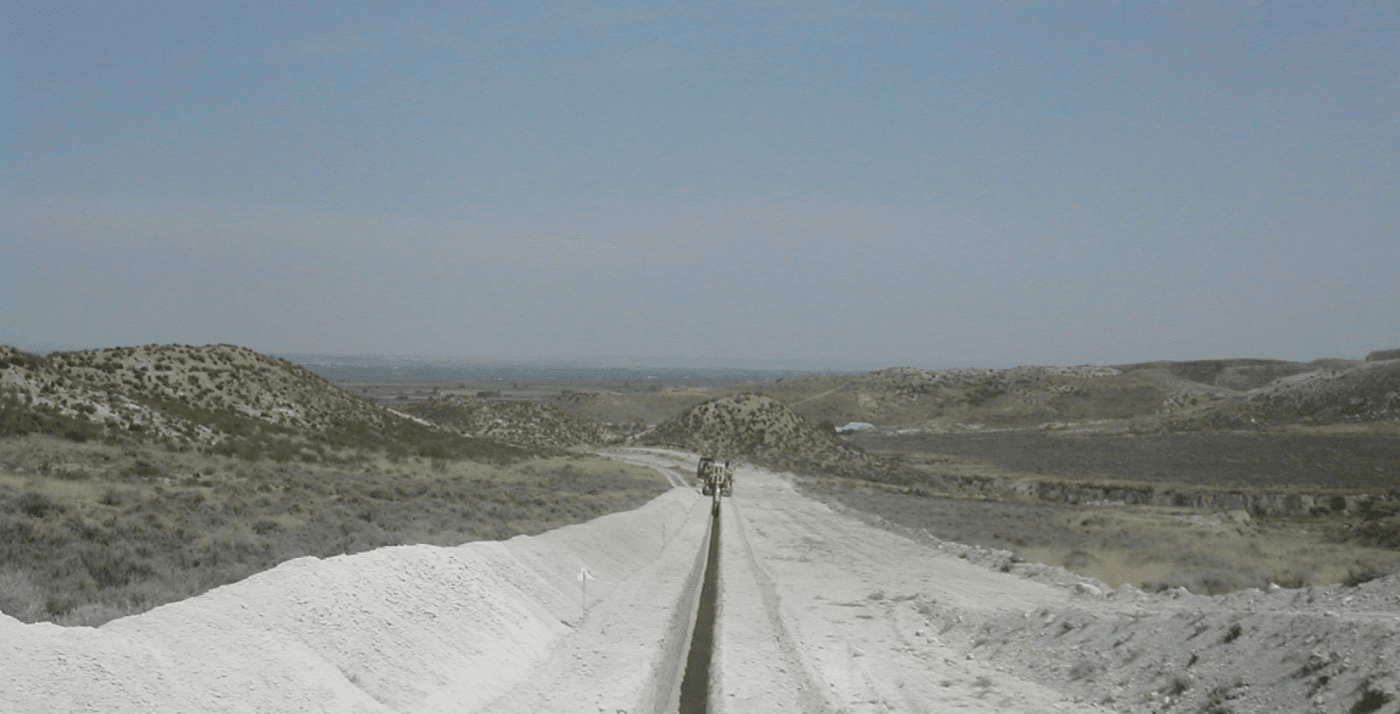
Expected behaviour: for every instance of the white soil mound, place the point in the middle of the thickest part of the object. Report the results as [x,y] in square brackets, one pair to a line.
[402,629]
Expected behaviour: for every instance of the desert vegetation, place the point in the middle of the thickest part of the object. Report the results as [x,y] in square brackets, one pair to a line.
[1153,547]
[221,399]
[134,476]
[91,531]
[1251,459]
[518,422]
[1211,511]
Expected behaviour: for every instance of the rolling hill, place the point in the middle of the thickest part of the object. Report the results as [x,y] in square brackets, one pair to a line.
[518,422]
[759,429]
[1364,393]
[222,398]
[1146,396]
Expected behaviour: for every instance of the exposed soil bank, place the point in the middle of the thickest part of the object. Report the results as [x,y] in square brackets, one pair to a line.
[404,629]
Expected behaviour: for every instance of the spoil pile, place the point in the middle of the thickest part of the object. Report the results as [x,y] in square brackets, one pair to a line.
[401,629]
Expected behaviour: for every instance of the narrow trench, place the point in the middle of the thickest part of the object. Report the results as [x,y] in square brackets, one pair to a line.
[695,685]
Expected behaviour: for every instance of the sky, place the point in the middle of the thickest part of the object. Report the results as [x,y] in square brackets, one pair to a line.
[839,184]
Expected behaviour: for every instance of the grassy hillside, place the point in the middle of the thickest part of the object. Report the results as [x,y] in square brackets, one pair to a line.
[219,398]
[526,423]
[1365,393]
[634,411]
[1141,397]
[133,476]
[1240,374]
[1151,396]
[759,429]
[939,400]
[93,531]
[954,399]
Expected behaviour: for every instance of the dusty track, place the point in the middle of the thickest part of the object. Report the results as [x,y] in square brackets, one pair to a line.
[819,612]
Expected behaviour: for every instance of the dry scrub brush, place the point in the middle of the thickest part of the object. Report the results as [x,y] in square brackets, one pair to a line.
[88,535]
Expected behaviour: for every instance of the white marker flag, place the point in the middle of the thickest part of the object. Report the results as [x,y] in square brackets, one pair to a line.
[583,577]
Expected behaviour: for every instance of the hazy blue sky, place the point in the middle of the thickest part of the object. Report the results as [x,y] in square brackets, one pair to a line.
[921,183]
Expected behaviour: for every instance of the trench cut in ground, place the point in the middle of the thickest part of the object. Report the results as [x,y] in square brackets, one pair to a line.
[695,685]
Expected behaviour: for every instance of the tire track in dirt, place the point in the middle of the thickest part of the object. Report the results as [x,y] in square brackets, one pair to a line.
[855,605]
[762,670]
[676,478]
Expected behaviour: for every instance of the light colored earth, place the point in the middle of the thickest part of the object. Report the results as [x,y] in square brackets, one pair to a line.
[819,611]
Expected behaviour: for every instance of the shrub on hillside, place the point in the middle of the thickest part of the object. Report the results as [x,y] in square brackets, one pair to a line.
[20,598]
[1383,533]
[18,418]
[24,360]
[157,527]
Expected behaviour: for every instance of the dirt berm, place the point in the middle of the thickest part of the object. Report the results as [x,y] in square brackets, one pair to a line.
[402,629]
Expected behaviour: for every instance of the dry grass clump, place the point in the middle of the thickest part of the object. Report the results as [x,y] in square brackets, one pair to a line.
[90,532]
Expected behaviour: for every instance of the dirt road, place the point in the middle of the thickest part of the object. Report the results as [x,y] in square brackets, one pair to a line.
[821,612]
[818,611]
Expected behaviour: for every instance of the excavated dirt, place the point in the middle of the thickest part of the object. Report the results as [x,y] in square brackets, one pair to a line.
[820,610]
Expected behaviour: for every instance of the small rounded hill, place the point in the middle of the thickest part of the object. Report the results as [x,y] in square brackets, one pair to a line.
[746,425]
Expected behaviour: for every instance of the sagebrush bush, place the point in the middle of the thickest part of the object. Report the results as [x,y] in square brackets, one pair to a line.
[18,418]
[20,597]
[1384,533]
[154,528]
